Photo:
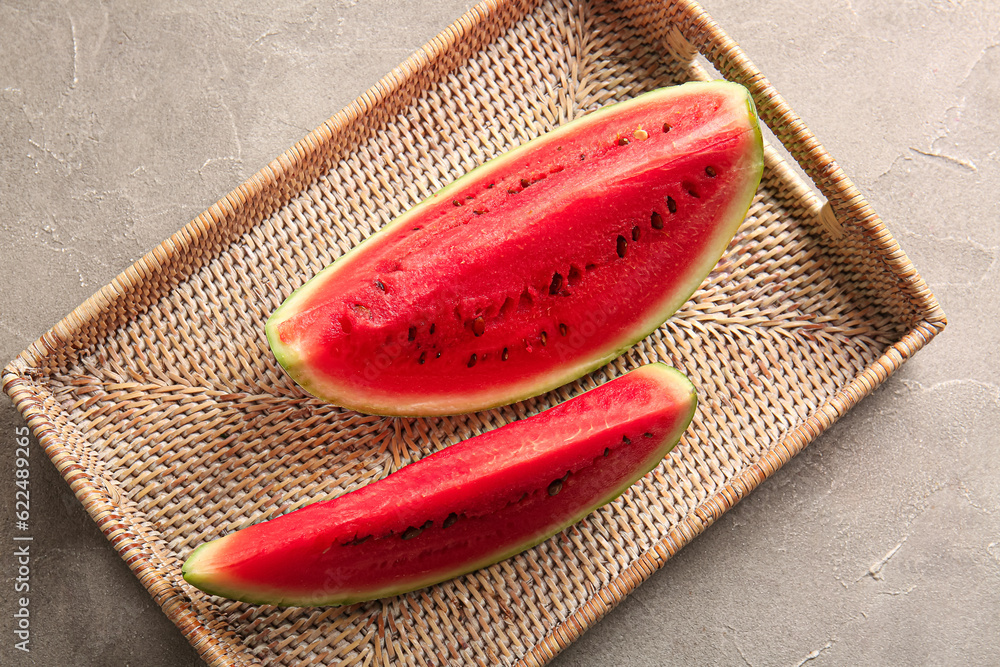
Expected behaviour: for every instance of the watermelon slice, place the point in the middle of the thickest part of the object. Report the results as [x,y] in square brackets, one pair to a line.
[535,268]
[459,509]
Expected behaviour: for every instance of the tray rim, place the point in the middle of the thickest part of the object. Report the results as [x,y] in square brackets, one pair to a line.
[700,34]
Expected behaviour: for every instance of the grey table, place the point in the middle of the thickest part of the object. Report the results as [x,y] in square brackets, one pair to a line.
[880,544]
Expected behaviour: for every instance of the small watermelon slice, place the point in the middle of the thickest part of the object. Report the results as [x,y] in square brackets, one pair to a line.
[535,268]
[460,509]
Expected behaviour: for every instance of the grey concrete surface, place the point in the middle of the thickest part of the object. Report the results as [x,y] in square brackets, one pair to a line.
[880,544]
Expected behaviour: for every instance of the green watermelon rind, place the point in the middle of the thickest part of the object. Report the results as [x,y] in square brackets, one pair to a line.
[669,378]
[345,395]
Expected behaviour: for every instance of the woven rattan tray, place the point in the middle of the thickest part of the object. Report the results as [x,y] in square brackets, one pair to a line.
[161,405]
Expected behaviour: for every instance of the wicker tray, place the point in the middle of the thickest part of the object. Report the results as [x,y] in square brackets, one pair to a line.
[160,404]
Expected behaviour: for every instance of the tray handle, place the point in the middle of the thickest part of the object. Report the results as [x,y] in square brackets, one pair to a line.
[848,205]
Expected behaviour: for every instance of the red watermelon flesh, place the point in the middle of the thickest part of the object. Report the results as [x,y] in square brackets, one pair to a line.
[460,509]
[535,268]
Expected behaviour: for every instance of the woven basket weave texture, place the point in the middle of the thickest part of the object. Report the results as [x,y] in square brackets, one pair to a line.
[162,405]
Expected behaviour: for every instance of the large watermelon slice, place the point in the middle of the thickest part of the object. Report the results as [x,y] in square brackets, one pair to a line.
[535,268]
[460,509]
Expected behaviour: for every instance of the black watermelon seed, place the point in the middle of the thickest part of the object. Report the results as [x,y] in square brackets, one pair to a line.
[647,435]
[512,192]
[607,451]
[583,156]
[479,326]
[555,487]
[622,246]
[622,141]
[438,356]
[626,440]
[456,202]
[503,356]
[490,186]
[411,334]
[656,220]
[671,204]
[411,532]
[666,127]
[379,284]
[525,182]
[479,211]
[563,329]
[635,233]
[689,188]
[423,357]
[710,171]
[432,329]
[472,360]
[556,285]
[450,520]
